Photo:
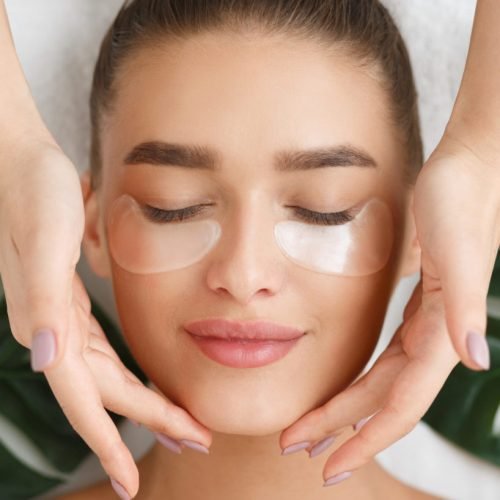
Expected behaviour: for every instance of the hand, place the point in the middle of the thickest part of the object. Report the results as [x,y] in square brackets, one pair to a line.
[41,227]
[91,377]
[457,214]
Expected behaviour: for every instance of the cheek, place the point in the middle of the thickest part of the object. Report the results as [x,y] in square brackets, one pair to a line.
[148,307]
[350,316]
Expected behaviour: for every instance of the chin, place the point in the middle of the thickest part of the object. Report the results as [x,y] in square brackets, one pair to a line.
[249,416]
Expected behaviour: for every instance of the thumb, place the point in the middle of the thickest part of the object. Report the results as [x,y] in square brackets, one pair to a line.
[49,294]
[465,272]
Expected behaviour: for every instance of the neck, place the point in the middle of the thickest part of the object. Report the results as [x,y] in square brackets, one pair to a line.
[248,467]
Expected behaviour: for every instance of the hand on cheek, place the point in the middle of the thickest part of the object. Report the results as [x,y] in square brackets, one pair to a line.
[105,382]
[387,402]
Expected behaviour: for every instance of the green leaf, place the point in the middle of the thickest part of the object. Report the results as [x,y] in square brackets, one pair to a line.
[18,481]
[465,408]
[494,288]
[29,404]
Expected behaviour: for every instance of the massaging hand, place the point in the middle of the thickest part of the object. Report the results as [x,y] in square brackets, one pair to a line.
[457,213]
[41,227]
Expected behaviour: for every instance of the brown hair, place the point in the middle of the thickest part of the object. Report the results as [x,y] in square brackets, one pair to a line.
[362,27]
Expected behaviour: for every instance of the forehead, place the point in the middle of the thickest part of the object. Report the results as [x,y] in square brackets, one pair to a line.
[248,97]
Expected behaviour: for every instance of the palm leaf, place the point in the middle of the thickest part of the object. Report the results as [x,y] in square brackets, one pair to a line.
[466,408]
[28,403]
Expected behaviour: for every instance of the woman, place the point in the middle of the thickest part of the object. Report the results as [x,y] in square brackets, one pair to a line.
[40,298]
[251,175]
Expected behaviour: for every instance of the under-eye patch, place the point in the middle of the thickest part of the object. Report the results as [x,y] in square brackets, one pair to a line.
[359,247]
[142,244]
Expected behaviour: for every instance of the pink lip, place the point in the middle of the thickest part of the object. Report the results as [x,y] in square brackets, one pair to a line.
[243,344]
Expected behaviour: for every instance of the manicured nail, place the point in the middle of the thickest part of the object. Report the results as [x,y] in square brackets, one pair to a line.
[360,423]
[119,489]
[43,350]
[321,446]
[478,350]
[195,446]
[296,447]
[337,478]
[168,442]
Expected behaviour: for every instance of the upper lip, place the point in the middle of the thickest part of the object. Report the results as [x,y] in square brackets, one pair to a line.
[251,330]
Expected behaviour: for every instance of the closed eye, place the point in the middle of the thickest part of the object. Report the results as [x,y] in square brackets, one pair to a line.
[165,216]
[310,216]
[323,218]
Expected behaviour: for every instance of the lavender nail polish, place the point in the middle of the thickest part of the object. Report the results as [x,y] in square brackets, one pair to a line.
[337,478]
[43,350]
[478,349]
[195,446]
[357,426]
[168,442]
[119,489]
[321,446]
[296,447]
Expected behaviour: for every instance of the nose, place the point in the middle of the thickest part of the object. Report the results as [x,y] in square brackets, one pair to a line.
[247,263]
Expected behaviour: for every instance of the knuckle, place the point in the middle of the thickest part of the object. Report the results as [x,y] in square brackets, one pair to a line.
[109,451]
[404,422]
[173,417]
[367,442]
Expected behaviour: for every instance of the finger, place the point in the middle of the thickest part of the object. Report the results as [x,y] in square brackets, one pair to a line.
[47,254]
[101,344]
[411,396]
[98,340]
[141,404]
[414,302]
[84,409]
[48,280]
[363,398]
[95,327]
[80,295]
[465,288]
[448,267]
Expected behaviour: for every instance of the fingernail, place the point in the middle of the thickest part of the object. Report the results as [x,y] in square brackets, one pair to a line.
[119,489]
[295,447]
[337,478]
[43,350]
[168,442]
[321,446]
[360,423]
[195,446]
[478,350]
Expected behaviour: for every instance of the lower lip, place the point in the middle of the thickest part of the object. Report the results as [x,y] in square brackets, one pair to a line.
[241,354]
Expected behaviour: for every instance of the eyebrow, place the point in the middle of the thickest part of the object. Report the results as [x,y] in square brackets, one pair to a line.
[164,154]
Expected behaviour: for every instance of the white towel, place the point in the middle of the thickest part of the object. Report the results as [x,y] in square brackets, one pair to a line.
[58,41]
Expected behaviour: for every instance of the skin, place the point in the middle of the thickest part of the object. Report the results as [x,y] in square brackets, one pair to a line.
[282,94]
[38,258]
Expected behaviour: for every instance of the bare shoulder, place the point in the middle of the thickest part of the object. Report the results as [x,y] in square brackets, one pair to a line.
[99,491]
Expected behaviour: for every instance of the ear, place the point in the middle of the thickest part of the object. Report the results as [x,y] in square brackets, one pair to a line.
[411,251]
[94,242]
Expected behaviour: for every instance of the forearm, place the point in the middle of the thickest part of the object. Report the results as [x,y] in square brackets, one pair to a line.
[476,114]
[19,118]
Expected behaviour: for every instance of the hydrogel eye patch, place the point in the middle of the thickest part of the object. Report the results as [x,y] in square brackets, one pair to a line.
[143,246]
[359,247]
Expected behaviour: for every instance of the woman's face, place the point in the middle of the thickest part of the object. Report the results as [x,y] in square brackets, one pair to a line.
[247,100]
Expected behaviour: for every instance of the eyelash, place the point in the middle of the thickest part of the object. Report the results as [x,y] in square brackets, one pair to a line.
[317,218]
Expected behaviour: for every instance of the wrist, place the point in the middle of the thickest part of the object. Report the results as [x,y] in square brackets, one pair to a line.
[482,144]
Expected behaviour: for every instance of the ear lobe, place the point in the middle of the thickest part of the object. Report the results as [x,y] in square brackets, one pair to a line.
[411,258]
[94,243]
